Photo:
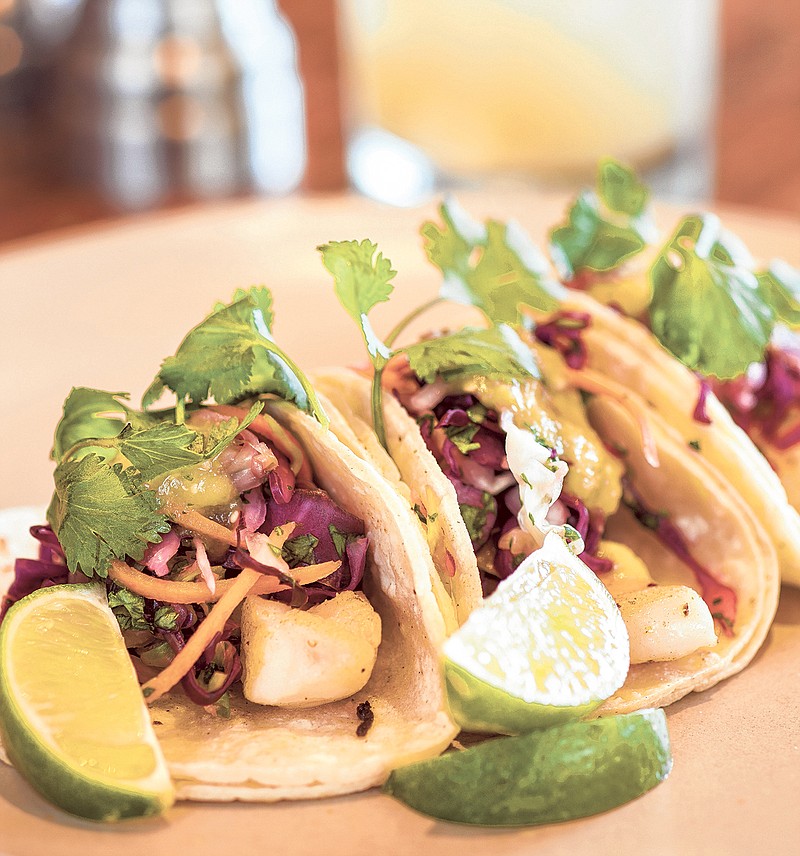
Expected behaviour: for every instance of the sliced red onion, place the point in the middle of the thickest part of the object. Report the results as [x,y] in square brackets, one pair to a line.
[156,556]
[203,565]
[700,414]
[564,332]
[282,481]
[254,510]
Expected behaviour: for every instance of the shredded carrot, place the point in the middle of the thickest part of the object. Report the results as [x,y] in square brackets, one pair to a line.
[196,522]
[265,426]
[248,581]
[213,623]
[172,591]
[593,382]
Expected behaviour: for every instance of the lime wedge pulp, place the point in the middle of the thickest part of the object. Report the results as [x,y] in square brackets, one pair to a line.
[549,645]
[572,770]
[72,716]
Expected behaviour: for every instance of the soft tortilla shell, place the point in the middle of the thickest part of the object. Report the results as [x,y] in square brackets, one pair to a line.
[268,754]
[625,350]
[721,534]
[706,507]
[411,467]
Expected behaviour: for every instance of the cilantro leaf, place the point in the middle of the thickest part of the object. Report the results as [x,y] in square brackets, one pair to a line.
[605,227]
[475,517]
[100,513]
[493,352]
[493,267]
[168,446]
[780,286]
[160,449]
[341,539]
[223,433]
[620,189]
[462,437]
[128,609]
[231,355]
[362,279]
[92,414]
[166,617]
[708,308]
[300,550]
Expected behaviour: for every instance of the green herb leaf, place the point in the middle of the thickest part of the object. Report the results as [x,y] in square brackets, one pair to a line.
[160,449]
[231,355]
[300,550]
[780,286]
[100,513]
[461,437]
[606,227]
[166,618]
[223,433]
[708,307]
[496,352]
[341,539]
[495,267]
[362,279]
[92,414]
[128,609]
[475,516]
[620,189]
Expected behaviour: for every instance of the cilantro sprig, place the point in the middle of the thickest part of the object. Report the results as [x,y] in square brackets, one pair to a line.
[101,512]
[494,266]
[362,279]
[109,455]
[103,507]
[606,226]
[230,356]
[709,306]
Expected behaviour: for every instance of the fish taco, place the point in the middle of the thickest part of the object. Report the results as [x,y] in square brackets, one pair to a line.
[503,434]
[274,593]
[699,328]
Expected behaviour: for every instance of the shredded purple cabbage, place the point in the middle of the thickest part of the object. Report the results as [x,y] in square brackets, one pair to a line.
[270,499]
[564,332]
[315,514]
[590,525]
[768,398]
[30,575]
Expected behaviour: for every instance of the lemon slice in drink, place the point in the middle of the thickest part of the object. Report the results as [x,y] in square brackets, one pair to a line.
[72,716]
[571,770]
[549,645]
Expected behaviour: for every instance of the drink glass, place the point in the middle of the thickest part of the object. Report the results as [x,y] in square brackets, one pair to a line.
[457,92]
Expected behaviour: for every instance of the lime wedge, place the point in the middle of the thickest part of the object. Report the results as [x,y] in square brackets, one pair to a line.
[568,771]
[549,645]
[72,716]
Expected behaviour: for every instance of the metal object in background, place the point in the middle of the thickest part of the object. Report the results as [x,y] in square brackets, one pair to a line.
[182,99]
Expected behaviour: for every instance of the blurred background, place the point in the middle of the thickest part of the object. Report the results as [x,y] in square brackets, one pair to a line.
[116,107]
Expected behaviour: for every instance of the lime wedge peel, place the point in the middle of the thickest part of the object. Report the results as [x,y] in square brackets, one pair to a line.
[548,646]
[566,772]
[72,716]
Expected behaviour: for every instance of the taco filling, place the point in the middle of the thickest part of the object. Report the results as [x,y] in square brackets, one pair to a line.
[524,459]
[254,507]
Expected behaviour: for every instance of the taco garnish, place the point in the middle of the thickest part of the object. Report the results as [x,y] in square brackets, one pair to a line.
[228,528]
